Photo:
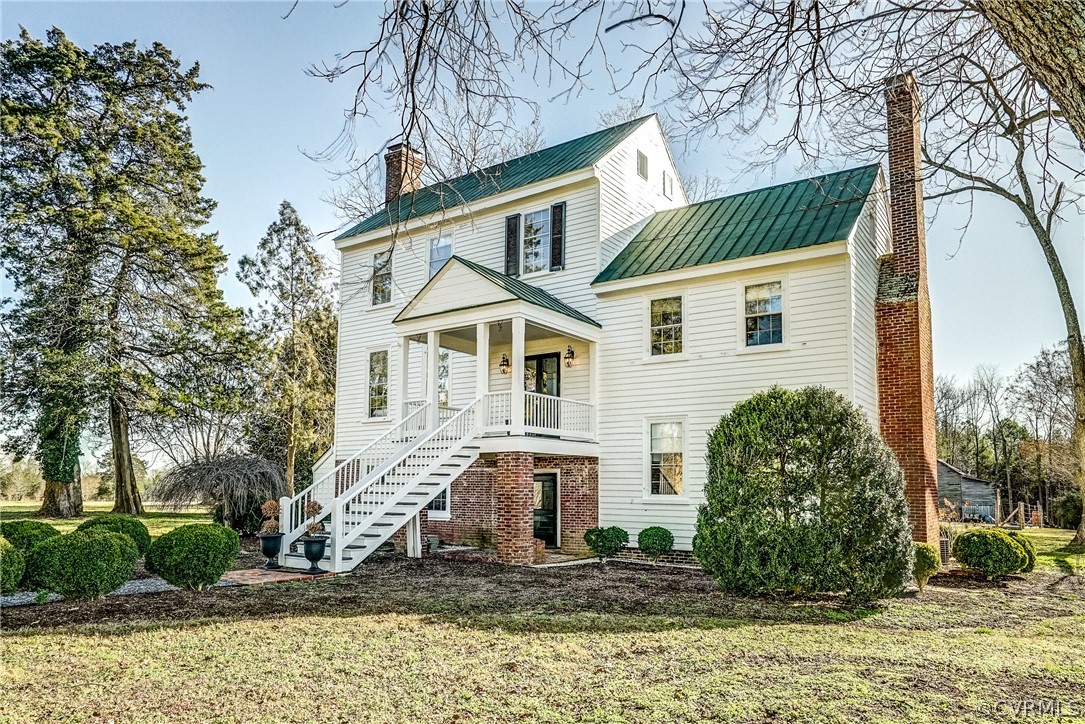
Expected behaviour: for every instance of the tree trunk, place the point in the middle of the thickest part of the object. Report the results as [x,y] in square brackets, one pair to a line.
[63,498]
[126,498]
[59,458]
[1048,36]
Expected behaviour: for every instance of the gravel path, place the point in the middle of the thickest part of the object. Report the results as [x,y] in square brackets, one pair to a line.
[135,587]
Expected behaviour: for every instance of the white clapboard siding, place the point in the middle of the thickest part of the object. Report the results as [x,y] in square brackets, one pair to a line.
[709,380]
[870,241]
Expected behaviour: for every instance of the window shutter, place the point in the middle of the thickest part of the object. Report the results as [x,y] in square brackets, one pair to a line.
[512,245]
[557,236]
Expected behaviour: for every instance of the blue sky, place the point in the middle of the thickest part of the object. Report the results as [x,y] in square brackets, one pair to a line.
[993,299]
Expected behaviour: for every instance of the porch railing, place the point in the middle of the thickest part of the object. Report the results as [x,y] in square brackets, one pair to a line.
[543,415]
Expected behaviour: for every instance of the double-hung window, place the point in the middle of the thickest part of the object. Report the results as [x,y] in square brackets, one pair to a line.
[642,165]
[438,507]
[764,313]
[666,458]
[378,383]
[665,326]
[440,251]
[444,379]
[536,241]
[382,277]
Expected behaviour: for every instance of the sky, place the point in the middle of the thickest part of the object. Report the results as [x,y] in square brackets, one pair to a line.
[993,300]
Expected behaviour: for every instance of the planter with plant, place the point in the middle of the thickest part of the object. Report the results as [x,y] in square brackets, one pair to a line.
[271,538]
[315,540]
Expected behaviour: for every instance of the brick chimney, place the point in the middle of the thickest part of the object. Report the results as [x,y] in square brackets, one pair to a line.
[903,318]
[403,168]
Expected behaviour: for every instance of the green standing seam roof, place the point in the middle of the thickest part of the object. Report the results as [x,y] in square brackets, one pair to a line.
[520,290]
[790,216]
[534,167]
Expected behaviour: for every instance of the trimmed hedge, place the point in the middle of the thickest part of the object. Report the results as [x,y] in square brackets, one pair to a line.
[1030,550]
[928,561]
[12,566]
[606,542]
[194,555]
[655,542]
[989,551]
[82,564]
[126,524]
[25,534]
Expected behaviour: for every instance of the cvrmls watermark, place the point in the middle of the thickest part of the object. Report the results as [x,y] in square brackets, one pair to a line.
[1036,708]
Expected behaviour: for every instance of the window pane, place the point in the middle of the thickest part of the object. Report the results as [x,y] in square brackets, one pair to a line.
[764,314]
[537,241]
[378,384]
[382,277]
[440,251]
[665,332]
[443,379]
[666,458]
[440,503]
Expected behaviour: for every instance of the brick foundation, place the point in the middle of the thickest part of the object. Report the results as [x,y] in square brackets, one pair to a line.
[514,488]
[578,497]
[473,507]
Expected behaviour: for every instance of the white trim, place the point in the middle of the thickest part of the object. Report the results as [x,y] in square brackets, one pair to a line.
[646,458]
[646,328]
[556,472]
[740,312]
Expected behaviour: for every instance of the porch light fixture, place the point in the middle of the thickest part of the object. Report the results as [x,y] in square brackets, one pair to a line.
[569,355]
[504,365]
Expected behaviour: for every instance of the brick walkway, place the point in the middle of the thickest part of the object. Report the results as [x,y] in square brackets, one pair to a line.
[258,576]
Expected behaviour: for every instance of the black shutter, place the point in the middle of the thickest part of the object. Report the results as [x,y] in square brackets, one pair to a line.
[557,236]
[512,245]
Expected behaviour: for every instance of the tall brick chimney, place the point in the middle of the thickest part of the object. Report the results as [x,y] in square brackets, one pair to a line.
[403,171]
[903,318]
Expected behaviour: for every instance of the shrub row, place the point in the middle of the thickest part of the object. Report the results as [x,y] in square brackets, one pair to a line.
[129,526]
[194,555]
[83,564]
[608,542]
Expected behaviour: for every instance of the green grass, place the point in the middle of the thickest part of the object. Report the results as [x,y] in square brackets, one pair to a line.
[157,521]
[1054,552]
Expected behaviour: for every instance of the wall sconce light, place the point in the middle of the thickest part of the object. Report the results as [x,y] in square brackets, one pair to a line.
[569,355]
[504,365]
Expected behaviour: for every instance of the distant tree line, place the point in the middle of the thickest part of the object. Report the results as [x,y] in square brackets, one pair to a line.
[1013,431]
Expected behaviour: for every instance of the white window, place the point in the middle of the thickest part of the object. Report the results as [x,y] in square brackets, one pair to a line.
[668,185]
[444,379]
[665,326]
[438,507]
[536,241]
[378,383]
[642,165]
[382,277]
[666,458]
[764,312]
[440,251]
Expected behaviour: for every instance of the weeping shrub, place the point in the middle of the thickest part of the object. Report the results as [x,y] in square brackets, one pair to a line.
[84,564]
[12,565]
[194,555]
[803,496]
[989,551]
[124,524]
[234,484]
[25,534]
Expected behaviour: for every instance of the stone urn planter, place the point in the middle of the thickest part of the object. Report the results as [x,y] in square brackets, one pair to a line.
[270,545]
[314,547]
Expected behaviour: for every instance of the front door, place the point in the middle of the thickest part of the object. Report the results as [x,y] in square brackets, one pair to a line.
[546,508]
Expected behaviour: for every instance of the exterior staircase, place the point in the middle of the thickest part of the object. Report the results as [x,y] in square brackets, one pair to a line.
[382,487]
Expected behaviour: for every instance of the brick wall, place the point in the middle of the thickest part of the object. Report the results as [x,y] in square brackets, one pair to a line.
[903,319]
[514,488]
[473,507]
[578,492]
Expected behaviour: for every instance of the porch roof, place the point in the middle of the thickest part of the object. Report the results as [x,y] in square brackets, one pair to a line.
[458,272]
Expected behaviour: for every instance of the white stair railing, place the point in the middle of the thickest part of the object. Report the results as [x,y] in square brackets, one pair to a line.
[292,516]
[368,500]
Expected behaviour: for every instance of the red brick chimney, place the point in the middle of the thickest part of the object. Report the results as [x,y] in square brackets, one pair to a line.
[903,318]
[403,167]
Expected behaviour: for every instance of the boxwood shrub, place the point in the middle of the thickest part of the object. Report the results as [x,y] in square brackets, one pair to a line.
[1030,550]
[126,524]
[194,555]
[25,534]
[655,542]
[803,496]
[606,542]
[12,565]
[82,564]
[928,561]
[989,551]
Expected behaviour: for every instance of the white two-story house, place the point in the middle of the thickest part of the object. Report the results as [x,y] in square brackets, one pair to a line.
[542,347]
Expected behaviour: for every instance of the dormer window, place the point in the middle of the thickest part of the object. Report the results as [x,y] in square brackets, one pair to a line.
[642,165]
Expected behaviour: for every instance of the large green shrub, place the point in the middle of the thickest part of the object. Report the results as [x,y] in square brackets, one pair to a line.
[1030,550]
[803,496]
[989,551]
[126,524]
[928,561]
[606,542]
[194,555]
[12,565]
[1066,510]
[25,534]
[655,542]
[82,564]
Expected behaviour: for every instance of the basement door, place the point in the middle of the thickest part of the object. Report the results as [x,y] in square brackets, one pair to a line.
[546,508]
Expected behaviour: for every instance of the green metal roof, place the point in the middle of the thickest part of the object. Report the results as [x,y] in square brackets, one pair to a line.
[779,218]
[534,167]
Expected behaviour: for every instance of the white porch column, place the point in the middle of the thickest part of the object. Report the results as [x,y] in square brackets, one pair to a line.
[593,384]
[404,374]
[413,530]
[482,359]
[433,362]
[519,330]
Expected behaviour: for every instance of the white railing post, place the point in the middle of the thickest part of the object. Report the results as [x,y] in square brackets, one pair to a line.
[482,359]
[519,331]
[335,541]
[404,375]
[433,365]
[284,525]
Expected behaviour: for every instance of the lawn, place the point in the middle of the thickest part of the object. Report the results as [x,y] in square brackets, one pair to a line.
[157,520]
[440,641]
